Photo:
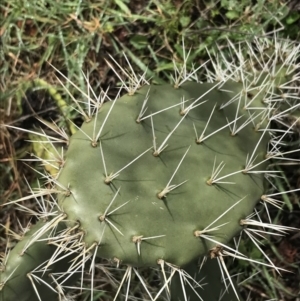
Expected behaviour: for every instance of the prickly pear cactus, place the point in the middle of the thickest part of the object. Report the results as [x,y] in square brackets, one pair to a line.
[165,175]
[145,187]
[23,277]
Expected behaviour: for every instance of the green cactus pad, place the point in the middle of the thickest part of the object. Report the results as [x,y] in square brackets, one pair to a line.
[154,224]
[22,277]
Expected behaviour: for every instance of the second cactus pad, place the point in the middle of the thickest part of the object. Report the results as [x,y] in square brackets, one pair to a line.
[164,173]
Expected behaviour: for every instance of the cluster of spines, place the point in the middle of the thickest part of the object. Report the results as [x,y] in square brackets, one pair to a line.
[257,63]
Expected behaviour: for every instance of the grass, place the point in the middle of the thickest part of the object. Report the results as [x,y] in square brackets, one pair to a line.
[81,35]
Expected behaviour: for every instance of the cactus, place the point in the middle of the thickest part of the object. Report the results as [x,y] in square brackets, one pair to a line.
[28,256]
[163,176]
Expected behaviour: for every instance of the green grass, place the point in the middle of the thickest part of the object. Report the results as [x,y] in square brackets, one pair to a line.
[76,36]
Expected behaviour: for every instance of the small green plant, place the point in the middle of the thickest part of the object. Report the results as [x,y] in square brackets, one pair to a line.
[162,177]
